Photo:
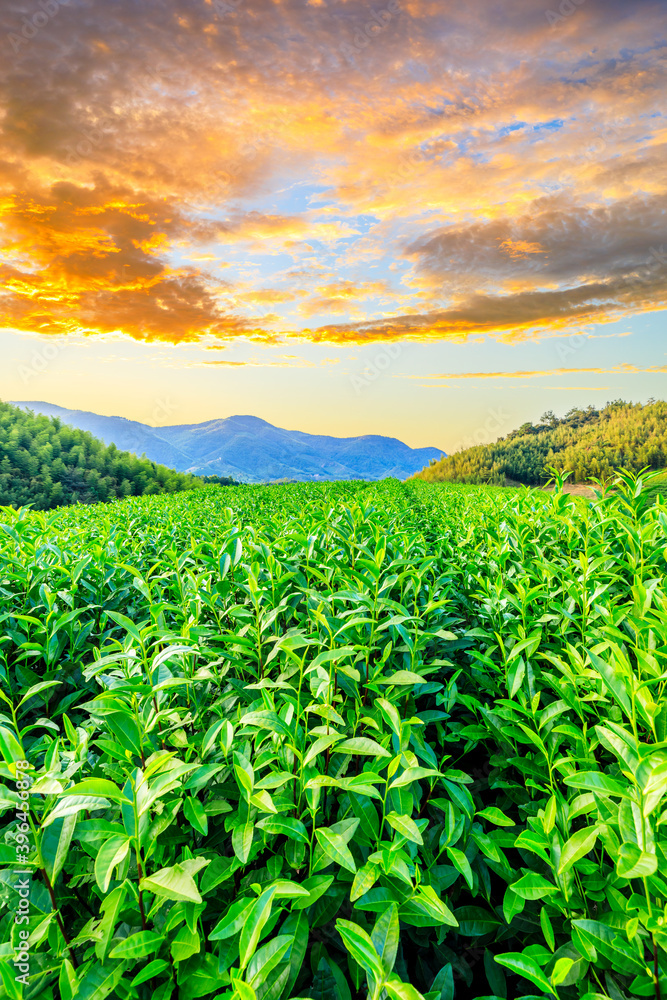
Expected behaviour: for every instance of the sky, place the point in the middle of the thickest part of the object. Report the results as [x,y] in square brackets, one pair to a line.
[420,218]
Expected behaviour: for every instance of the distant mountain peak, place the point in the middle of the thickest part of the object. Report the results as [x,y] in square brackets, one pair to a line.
[249,448]
[247,418]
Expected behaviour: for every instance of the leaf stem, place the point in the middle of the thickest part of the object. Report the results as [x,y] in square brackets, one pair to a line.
[59,919]
[140,875]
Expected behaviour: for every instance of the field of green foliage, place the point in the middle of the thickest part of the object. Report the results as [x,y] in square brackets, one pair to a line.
[345,741]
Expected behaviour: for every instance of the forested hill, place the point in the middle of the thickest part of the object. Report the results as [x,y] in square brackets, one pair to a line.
[589,443]
[46,463]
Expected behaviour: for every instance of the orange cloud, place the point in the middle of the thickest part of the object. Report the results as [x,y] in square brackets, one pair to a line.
[510,317]
[518,249]
[343,297]
[270,295]
[623,369]
[512,190]
[94,268]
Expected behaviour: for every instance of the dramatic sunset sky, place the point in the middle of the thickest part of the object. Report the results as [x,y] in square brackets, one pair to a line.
[420,218]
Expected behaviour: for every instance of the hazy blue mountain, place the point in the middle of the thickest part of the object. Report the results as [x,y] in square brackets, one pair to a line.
[250,449]
[127,435]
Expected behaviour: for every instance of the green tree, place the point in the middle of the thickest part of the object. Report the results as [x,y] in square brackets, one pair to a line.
[589,442]
[45,463]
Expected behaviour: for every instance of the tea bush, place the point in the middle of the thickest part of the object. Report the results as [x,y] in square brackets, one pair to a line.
[335,741]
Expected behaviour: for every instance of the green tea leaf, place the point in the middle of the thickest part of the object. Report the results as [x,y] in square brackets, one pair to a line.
[154,968]
[96,787]
[405,826]
[68,981]
[534,886]
[385,936]
[365,879]
[362,745]
[37,689]
[596,781]
[401,677]
[111,908]
[426,909]
[242,838]
[232,921]
[55,844]
[399,990]
[112,853]
[335,848]
[496,816]
[634,863]
[316,885]
[254,922]
[172,883]
[10,748]
[195,813]
[526,967]
[474,921]
[266,720]
[361,947]
[99,981]
[186,944]
[285,826]
[125,729]
[462,865]
[579,844]
[137,946]
[413,774]
[610,944]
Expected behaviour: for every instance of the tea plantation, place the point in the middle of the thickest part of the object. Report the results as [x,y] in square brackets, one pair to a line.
[335,741]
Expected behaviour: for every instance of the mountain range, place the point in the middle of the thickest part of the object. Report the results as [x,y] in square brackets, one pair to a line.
[250,449]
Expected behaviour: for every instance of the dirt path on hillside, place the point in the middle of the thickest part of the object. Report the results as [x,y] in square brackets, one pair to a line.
[577,490]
